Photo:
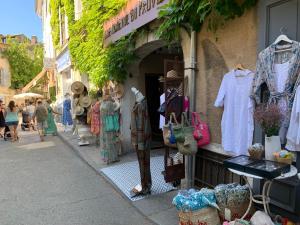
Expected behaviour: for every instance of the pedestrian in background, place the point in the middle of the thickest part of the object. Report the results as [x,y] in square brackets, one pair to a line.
[2,119]
[41,115]
[12,120]
[30,109]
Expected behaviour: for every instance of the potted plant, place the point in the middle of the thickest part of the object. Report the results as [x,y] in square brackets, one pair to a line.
[270,118]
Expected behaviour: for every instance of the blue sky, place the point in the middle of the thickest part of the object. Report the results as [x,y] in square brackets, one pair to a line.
[18,17]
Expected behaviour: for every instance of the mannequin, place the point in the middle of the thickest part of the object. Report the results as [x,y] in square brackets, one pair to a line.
[141,140]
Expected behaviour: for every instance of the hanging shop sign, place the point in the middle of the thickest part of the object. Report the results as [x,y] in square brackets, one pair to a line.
[134,15]
[63,61]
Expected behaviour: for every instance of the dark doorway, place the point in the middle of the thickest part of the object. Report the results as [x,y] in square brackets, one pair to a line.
[153,92]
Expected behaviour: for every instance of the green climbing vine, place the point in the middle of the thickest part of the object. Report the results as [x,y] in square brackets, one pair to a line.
[190,15]
[110,63]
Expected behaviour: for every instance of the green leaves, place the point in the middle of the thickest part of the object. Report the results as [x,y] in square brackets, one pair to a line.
[191,14]
[25,60]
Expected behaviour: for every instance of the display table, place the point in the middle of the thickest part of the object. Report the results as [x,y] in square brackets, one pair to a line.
[262,199]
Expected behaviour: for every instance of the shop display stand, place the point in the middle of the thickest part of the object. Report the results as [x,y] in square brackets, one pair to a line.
[173,173]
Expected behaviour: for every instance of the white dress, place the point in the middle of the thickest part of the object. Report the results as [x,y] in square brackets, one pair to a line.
[237,121]
[162,118]
[293,134]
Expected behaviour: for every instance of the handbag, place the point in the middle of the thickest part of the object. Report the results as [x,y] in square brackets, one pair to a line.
[112,123]
[186,143]
[201,130]
[168,131]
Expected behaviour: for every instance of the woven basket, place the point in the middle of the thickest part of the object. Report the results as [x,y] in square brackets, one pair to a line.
[284,160]
[207,216]
[256,154]
[237,211]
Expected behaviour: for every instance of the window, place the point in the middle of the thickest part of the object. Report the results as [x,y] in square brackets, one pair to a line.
[78,9]
[63,36]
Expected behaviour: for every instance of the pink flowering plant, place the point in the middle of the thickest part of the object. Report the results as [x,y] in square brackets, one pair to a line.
[270,118]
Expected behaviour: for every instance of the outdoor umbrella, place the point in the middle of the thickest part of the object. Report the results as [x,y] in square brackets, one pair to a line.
[27,95]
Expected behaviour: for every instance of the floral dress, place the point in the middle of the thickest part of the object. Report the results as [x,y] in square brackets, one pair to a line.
[95,119]
[109,140]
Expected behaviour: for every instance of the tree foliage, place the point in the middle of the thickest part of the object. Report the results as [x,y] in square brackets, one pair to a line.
[25,61]
[191,14]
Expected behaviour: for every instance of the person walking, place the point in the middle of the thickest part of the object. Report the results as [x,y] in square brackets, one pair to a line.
[30,109]
[2,119]
[41,116]
[12,120]
[51,129]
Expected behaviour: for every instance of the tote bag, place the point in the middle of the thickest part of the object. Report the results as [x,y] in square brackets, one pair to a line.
[186,143]
[201,130]
[168,134]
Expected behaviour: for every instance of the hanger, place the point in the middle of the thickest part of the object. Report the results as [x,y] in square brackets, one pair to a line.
[239,67]
[283,38]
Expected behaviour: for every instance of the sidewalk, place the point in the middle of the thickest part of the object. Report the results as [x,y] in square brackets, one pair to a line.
[157,208]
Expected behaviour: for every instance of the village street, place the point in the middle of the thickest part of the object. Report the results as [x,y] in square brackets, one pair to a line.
[46,183]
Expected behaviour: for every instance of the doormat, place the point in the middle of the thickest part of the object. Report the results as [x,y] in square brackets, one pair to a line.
[126,176]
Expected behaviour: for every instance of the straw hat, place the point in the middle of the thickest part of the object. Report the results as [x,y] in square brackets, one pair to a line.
[77,87]
[172,74]
[85,101]
[79,110]
[106,91]
[161,79]
[119,90]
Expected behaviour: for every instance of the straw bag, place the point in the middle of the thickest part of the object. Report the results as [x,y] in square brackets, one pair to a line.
[186,143]
[168,135]
[201,130]
[205,216]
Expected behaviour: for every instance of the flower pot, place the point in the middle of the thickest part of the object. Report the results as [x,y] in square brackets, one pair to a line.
[272,144]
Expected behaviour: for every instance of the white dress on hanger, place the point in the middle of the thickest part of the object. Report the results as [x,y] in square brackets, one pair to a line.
[237,121]
[293,134]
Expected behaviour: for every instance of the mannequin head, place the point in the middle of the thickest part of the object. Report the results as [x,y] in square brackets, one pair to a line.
[67,96]
[138,95]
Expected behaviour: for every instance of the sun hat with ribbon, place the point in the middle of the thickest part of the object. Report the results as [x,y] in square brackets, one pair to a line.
[79,110]
[85,101]
[77,87]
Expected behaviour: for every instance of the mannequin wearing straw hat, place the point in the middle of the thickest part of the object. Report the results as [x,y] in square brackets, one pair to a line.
[110,144]
[141,140]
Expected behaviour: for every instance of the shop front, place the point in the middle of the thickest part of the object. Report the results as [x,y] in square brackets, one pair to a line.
[234,47]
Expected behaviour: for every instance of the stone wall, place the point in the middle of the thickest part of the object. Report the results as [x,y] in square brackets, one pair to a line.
[217,54]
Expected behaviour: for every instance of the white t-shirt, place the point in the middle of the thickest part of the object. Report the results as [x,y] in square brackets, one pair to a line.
[293,134]
[30,109]
[237,121]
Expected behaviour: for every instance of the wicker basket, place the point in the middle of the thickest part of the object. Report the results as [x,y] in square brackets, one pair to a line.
[256,154]
[284,160]
[207,216]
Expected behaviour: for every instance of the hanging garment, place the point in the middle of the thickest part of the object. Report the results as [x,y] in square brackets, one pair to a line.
[174,103]
[237,121]
[51,129]
[109,141]
[293,134]
[140,126]
[268,69]
[67,117]
[141,140]
[95,119]
[162,119]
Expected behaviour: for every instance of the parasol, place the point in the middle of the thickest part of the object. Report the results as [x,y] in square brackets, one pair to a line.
[27,95]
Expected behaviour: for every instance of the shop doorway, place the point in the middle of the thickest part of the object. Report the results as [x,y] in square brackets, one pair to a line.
[152,68]
[154,88]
